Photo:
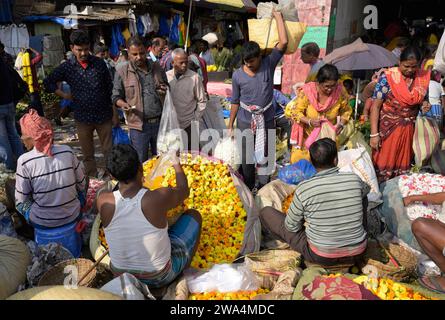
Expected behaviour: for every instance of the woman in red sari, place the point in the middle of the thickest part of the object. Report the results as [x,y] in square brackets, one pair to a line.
[398,96]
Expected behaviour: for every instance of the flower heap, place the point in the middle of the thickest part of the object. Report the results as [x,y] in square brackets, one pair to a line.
[287,202]
[421,184]
[214,195]
[387,289]
[239,295]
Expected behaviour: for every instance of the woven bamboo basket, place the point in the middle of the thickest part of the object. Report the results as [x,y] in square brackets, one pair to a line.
[43,7]
[56,275]
[407,261]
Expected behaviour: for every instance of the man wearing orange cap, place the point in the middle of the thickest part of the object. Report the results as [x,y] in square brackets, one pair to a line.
[50,180]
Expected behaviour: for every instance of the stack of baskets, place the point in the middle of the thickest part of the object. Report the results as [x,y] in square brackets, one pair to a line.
[57,274]
[43,7]
[377,259]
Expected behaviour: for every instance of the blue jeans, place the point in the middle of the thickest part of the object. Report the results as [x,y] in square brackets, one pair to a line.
[144,140]
[10,144]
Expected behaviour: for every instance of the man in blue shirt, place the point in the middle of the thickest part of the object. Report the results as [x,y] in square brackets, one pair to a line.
[252,90]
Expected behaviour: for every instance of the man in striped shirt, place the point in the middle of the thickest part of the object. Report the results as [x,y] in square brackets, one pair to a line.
[327,218]
[50,180]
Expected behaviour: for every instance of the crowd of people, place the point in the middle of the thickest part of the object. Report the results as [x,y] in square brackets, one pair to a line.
[51,183]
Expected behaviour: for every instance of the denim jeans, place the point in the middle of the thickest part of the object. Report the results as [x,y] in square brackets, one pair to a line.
[144,140]
[11,147]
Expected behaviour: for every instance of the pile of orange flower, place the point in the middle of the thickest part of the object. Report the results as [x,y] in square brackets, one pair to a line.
[239,295]
[287,202]
[214,195]
[387,289]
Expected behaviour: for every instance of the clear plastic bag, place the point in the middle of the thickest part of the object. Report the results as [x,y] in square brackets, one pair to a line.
[169,135]
[227,151]
[223,278]
[163,162]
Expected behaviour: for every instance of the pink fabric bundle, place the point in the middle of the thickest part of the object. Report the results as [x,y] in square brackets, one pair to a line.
[39,129]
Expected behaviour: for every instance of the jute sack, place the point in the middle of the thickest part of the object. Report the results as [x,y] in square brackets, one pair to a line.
[265,33]
[14,260]
[274,193]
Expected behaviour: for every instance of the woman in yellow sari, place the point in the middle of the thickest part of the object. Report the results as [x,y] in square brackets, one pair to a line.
[322,103]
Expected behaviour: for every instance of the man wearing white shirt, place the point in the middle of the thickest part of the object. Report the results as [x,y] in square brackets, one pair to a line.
[156,49]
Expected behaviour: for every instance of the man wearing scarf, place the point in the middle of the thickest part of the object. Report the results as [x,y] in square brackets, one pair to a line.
[50,181]
[252,87]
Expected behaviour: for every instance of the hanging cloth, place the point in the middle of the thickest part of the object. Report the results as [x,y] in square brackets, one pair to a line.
[117,40]
[155,23]
[174,29]
[140,27]
[164,28]
[126,34]
[19,64]
[147,23]
[132,23]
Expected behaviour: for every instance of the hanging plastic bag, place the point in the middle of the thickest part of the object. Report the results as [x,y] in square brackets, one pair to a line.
[169,135]
[223,278]
[327,130]
[227,151]
[297,172]
[120,136]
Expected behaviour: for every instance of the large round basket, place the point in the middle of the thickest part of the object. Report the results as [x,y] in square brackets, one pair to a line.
[44,7]
[406,260]
[57,274]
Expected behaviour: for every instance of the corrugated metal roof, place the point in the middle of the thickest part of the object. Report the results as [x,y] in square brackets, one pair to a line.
[101,15]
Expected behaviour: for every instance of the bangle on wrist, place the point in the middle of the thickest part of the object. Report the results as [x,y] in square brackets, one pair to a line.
[374,135]
[309,123]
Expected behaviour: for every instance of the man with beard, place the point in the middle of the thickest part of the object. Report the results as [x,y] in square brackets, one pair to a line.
[138,89]
[91,87]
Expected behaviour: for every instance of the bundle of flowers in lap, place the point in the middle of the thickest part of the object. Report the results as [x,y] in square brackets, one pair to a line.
[422,184]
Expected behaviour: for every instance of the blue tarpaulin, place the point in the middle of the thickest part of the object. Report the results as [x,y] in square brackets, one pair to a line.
[67,23]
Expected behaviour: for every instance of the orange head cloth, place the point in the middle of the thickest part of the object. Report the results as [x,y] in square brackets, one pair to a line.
[39,129]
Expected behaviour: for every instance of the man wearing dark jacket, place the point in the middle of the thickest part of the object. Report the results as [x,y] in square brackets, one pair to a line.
[91,88]
[139,87]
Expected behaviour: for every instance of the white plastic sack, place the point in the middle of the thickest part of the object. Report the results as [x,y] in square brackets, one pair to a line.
[439,61]
[227,151]
[224,278]
[359,162]
[128,287]
[169,135]
[286,7]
